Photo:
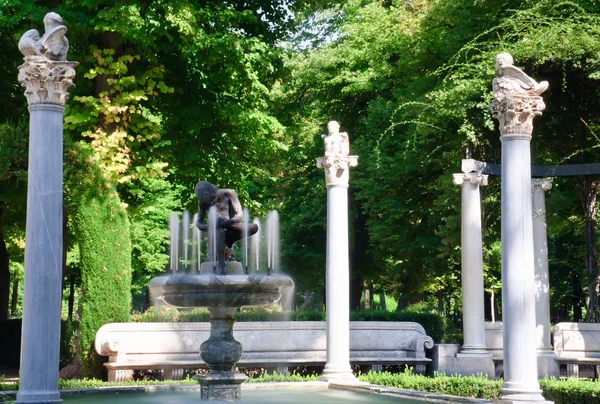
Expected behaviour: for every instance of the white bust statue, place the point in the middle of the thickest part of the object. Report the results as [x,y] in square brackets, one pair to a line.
[513,81]
[336,144]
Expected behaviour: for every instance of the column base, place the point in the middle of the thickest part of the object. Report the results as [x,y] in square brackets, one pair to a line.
[500,400]
[37,398]
[547,365]
[221,386]
[448,360]
[339,375]
[517,393]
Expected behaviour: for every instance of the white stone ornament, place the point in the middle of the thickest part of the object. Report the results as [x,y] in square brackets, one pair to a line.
[516,98]
[336,162]
[52,46]
[46,75]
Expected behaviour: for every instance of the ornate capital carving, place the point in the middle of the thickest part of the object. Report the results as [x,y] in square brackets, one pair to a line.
[337,169]
[474,178]
[46,81]
[336,162]
[516,99]
[545,184]
[46,74]
[515,114]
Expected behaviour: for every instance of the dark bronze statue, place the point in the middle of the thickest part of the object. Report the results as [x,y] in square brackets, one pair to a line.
[229,226]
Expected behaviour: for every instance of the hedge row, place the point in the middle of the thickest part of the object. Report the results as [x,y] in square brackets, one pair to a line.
[561,391]
[96,383]
[436,326]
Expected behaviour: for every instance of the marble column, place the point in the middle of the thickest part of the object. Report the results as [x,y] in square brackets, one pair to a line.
[337,170]
[46,80]
[547,364]
[472,264]
[516,102]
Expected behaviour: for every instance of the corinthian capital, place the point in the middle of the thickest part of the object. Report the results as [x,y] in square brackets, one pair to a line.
[337,169]
[46,81]
[515,114]
[545,184]
[473,178]
[516,98]
[46,74]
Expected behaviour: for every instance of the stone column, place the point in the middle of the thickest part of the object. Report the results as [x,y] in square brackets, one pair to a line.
[516,102]
[46,81]
[472,264]
[547,364]
[337,170]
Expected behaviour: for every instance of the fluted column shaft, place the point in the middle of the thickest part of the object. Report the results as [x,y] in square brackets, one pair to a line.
[46,81]
[472,264]
[337,367]
[542,283]
[515,111]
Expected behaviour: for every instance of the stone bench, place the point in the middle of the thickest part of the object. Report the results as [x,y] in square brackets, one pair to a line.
[173,347]
[577,344]
[494,341]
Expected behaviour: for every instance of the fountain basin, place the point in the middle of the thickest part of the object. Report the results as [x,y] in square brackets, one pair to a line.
[211,290]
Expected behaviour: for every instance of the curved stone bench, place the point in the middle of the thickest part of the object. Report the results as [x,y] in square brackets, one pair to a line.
[577,344]
[173,347]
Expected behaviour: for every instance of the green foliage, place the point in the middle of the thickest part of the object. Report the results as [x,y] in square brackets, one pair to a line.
[278,378]
[68,331]
[102,232]
[473,386]
[560,391]
[571,391]
[13,150]
[151,203]
[435,326]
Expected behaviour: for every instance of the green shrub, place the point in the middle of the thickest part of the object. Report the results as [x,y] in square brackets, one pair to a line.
[472,386]
[102,232]
[435,325]
[571,391]
[562,391]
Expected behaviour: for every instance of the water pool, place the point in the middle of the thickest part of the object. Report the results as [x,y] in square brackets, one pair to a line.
[295,396]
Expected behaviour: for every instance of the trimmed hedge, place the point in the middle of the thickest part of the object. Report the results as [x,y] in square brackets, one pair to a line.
[102,231]
[435,325]
[472,386]
[96,383]
[561,391]
[571,391]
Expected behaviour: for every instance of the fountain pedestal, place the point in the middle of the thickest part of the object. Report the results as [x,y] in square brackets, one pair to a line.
[223,295]
[221,352]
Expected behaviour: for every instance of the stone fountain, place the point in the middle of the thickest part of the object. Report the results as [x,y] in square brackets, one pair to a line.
[222,285]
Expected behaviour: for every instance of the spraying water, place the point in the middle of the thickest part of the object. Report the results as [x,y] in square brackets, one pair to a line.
[174,229]
[272,241]
[212,236]
[195,247]
[256,244]
[245,240]
[185,238]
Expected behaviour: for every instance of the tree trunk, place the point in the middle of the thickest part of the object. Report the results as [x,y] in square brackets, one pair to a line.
[440,296]
[367,296]
[4,271]
[71,296]
[589,197]
[493,306]
[15,297]
[382,303]
[577,298]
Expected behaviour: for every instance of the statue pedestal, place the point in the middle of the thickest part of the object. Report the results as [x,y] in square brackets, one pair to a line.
[231,267]
[221,386]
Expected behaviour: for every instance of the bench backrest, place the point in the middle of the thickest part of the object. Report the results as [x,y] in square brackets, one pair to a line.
[261,341]
[577,340]
[494,339]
